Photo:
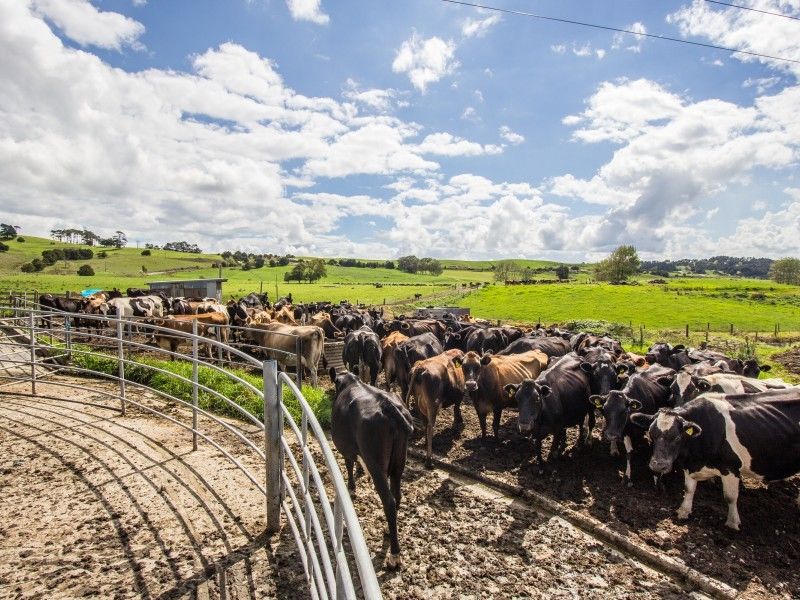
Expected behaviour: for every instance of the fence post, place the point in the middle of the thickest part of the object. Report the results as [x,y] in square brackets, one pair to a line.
[272,445]
[731,328]
[708,328]
[33,353]
[68,335]
[687,330]
[194,384]
[641,335]
[121,363]
[298,357]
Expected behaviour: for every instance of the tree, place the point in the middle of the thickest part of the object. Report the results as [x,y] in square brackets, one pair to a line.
[408,264]
[86,271]
[562,272]
[618,266]
[3,247]
[283,261]
[119,239]
[296,274]
[786,270]
[431,265]
[315,269]
[505,270]
[258,262]
[8,232]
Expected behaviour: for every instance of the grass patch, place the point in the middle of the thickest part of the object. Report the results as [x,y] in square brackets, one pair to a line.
[140,370]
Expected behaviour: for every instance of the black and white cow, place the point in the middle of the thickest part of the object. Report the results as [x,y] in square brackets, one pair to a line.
[727,436]
[644,392]
[139,306]
[373,424]
[666,355]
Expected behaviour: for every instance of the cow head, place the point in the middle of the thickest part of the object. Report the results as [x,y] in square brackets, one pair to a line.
[751,368]
[669,433]
[686,387]
[662,354]
[529,395]
[471,366]
[452,340]
[602,374]
[616,408]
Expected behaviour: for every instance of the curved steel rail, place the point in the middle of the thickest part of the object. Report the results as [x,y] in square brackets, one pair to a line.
[43,342]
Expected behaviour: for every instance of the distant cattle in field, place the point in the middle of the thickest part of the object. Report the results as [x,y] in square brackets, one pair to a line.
[728,436]
[373,424]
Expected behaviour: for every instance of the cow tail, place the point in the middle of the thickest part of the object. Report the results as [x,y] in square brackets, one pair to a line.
[411,378]
[400,415]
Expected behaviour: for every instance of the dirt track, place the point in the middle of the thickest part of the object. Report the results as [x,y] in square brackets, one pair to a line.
[92,504]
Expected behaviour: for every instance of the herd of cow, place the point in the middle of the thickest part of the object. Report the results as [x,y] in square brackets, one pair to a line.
[702,412]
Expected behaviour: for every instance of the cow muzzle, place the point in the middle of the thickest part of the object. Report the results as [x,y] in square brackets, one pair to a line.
[660,466]
[471,385]
[610,436]
[524,428]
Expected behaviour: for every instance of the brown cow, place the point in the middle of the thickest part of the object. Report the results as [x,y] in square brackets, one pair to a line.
[284,315]
[388,344]
[323,320]
[212,324]
[277,340]
[485,377]
[437,383]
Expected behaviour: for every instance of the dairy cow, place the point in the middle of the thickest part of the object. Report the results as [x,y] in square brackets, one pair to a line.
[361,353]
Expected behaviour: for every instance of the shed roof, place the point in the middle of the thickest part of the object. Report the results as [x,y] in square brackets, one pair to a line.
[184,281]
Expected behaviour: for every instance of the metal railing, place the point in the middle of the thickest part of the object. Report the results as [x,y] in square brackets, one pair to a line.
[36,344]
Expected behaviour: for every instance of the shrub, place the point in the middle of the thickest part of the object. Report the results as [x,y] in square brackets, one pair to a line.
[86,271]
[21,240]
[3,247]
[146,252]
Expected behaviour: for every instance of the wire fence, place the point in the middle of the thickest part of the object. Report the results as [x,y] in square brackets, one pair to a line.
[295,455]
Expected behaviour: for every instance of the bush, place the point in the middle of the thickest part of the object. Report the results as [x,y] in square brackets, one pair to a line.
[86,271]
[3,247]
[146,252]
[21,240]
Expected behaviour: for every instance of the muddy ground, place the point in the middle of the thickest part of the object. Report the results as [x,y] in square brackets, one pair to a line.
[96,505]
[762,559]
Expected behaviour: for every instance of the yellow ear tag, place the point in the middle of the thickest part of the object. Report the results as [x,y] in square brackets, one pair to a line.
[690,431]
[511,393]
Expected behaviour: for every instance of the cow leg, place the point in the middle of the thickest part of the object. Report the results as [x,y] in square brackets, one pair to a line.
[429,435]
[730,490]
[458,419]
[381,483]
[498,412]
[482,418]
[628,451]
[539,459]
[690,484]
[591,420]
[349,463]
[614,448]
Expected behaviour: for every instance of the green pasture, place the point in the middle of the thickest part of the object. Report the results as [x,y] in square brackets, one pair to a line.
[750,305]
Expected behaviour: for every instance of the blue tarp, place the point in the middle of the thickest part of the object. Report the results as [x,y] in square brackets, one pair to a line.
[85,293]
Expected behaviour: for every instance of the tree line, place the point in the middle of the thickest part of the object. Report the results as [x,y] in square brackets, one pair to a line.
[729,265]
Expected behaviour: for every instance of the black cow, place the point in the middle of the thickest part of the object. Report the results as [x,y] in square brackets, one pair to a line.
[362,350]
[370,423]
[408,352]
[491,339]
[666,355]
[727,436]
[557,399]
[552,346]
[349,322]
[644,392]
[684,387]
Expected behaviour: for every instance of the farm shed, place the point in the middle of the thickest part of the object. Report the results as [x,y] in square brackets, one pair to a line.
[437,312]
[190,288]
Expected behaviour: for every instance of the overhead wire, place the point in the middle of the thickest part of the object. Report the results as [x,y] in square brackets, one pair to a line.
[758,10]
[656,36]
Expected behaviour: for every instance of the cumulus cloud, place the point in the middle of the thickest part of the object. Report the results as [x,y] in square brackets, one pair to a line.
[307,10]
[478,27]
[445,144]
[425,61]
[559,48]
[376,99]
[762,84]
[635,39]
[80,21]
[510,136]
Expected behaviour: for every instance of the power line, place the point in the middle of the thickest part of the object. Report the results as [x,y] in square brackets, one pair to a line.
[758,10]
[618,30]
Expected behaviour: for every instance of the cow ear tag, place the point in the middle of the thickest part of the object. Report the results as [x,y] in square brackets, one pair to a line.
[457,362]
[598,402]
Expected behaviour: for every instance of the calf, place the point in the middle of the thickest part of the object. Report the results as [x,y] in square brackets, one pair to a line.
[485,378]
[437,383]
[727,436]
[644,392]
[370,423]
[557,399]
[362,352]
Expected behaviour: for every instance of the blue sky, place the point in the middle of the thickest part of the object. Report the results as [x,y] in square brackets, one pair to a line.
[380,129]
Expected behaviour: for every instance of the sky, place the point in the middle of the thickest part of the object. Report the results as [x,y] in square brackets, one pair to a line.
[380,129]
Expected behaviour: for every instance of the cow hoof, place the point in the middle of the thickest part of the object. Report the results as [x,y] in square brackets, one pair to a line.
[393,561]
[428,464]
[732,524]
[684,514]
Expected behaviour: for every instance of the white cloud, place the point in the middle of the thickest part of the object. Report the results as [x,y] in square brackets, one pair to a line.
[478,27]
[445,144]
[638,39]
[478,96]
[510,136]
[425,61]
[558,48]
[585,50]
[80,21]
[470,114]
[762,84]
[488,72]
[600,53]
[376,99]
[307,10]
